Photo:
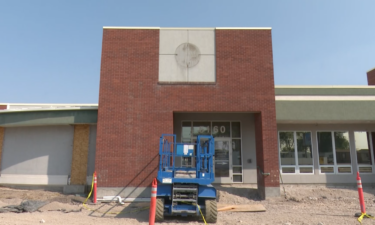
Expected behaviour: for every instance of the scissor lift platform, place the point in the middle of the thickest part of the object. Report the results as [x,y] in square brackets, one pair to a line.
[182,190]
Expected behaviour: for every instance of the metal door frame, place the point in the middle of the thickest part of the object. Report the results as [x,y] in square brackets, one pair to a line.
[225,180]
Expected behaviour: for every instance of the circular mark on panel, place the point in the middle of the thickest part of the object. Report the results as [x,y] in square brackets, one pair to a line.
[187,55]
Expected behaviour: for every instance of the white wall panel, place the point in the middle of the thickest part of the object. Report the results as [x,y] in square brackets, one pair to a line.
[43,150]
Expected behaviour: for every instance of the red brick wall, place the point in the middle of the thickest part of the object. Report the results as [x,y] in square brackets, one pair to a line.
[3,107]
[134,110]
[371,77]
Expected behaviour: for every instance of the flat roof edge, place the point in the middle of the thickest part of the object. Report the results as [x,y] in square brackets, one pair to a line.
[243,28]
[190,28]
[149,28]
[47,109]
[50,104]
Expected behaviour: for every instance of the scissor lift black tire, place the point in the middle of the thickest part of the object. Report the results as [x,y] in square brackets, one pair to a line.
[210,211]
[159,214]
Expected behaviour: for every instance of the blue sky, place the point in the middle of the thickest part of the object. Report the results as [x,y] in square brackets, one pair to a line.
[50,50]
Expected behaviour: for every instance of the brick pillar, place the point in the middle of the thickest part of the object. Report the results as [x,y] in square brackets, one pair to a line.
[80,154]
[371,77]
[267,155]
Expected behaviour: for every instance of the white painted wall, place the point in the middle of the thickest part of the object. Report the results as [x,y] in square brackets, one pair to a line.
[37,155]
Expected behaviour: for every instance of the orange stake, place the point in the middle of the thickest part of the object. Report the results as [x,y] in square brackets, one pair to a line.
[94,197]
[151,220]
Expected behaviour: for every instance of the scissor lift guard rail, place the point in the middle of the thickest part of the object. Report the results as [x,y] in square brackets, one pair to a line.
[182,190]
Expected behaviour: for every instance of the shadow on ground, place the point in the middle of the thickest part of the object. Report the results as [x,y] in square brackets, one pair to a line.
[139,211]
[250,193]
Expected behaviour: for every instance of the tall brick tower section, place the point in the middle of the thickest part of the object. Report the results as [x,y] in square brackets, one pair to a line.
[371,77]
[135,108]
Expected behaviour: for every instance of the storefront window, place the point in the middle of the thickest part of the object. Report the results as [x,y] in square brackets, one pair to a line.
[342,148]
[236,152]
[304,148]
[228,147]
[236,130]
[201,128]
[295,144]
[287,151]
[186,132]
[221,129]
[334,152]
[362,147]
[325,148]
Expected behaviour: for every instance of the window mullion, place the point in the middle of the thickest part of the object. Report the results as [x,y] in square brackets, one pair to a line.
[295,152]
[371,152]
[334,152]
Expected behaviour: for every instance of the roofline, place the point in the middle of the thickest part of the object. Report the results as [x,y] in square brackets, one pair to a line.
[371,70]
[325,86]
[52,104]
[190,28]
[47,109]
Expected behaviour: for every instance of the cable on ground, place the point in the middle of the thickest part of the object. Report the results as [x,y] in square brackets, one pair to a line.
[283,184]
[95,210]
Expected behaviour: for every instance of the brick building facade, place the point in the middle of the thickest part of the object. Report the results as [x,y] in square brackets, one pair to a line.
[135,107]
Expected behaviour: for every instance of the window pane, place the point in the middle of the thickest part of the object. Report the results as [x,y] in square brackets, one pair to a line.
[287,154]
[237,178]
[345,169]
[325,148]
[362,147]
[221,129]
[237,169]
[236,152]
[222,169]
[201,128]
[222,150]
[304,148]
[186,132]
[342,148]
[288,170]
[365,169]
[326,169]
[236,129]
[306,170]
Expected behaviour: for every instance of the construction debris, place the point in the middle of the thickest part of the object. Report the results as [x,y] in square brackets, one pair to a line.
[25,206]
[241,208]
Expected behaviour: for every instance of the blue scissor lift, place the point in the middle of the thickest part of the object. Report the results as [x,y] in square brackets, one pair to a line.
[186,190]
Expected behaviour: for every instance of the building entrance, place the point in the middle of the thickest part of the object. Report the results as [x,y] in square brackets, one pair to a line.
[228,151]
[222,161]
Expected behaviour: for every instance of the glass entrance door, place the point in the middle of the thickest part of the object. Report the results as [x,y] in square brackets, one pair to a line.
[222,160]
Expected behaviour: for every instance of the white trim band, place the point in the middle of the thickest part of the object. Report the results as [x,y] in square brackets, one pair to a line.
[325,86]
[324,98]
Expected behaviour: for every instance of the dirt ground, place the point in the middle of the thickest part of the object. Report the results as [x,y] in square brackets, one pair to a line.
[316,205]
